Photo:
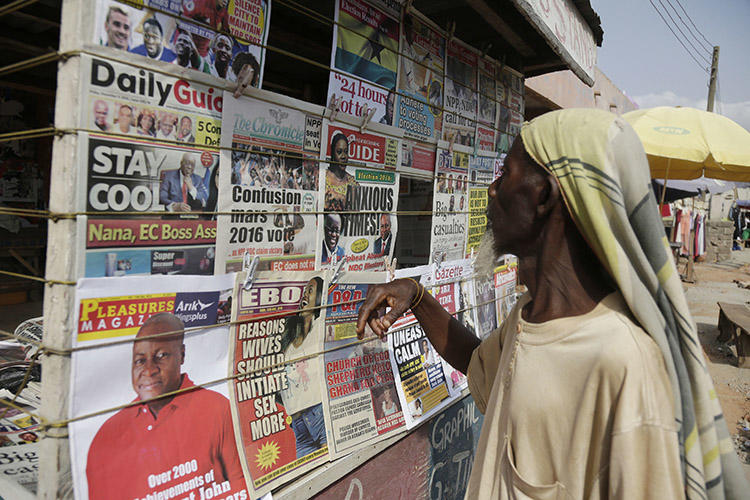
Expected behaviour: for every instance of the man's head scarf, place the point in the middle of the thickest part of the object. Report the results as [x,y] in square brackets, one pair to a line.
[603,174]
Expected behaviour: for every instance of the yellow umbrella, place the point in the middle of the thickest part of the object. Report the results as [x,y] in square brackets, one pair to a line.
[687,143]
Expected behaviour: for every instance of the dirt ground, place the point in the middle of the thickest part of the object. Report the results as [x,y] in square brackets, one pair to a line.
[724,282]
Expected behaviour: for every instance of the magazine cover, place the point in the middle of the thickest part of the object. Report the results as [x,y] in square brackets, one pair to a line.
[153,357]
[277,375]
[217,37]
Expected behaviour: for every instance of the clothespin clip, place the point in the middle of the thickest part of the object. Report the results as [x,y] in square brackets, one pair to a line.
[334,106]
[452,141]
[250,267]
[407,6]
[390,266]
[451,31]
[243,80]
[486,49]
[366,117]
[339,270]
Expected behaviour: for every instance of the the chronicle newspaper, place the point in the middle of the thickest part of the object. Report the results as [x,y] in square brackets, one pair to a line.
[214,37]
[270,169]
[152,356]
[359,187]
[365,57]
[360,398]
[277,376]
[148,134]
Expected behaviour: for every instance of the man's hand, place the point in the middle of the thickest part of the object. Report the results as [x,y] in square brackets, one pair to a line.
[180,207]
[398,295]
[189,182]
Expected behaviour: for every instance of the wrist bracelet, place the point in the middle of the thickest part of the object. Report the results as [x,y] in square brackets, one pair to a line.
[420,294]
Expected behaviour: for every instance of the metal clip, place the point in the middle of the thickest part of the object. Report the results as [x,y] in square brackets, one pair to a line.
[367,114]
[339,272]
[334,106]
[250,267]
[243,80]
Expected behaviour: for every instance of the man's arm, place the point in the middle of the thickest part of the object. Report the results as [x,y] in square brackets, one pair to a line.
[450,337]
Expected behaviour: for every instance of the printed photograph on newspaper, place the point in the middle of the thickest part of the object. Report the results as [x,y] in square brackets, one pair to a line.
[217,37]
[460,120]
[487,109]
[360,402]
[419,110]
[276,395]
[365,51]
[449,204]
[158,373]
[505,287]
[271,174]
[129,176]
[481,174]
[360,176]
[417,158]
[421,381]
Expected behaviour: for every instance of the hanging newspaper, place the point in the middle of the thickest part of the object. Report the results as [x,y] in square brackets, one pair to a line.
[452,284]
[419,109]
[20,464]
[505,287]
[481,174]
[276,395]
[160,363]
[137,175]
[271,174]
[143,174]
[449,204]
[487,109]
[422,383]
[360,392]
[214,37]
[417,158]
[459,125]
[365,53]
[361,178]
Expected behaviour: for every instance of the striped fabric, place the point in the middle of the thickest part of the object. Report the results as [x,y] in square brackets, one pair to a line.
[603,174]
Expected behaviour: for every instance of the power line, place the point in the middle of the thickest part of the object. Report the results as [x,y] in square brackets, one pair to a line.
[678,38]
[691,22]
[666,11]
[700,45]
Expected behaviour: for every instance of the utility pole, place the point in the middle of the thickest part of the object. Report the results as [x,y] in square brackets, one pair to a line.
[712,80]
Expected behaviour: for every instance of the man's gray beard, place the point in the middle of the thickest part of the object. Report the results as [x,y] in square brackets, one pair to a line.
[486,259]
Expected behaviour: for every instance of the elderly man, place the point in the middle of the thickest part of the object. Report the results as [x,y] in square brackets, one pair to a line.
[595,385]
[117,27]
[137,452]
[182,190]
[331,235]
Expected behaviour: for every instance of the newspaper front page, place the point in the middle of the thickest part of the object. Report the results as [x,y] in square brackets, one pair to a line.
[144,171]
[369,184]
[487,109]
[216,38]
[276,389]
[156,355]
[460,121]
[365,51]
[360,399]
[450,204]
[481,174]
[272,167]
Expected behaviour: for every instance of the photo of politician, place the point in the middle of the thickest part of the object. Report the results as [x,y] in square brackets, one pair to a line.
[182,190]
[162,430]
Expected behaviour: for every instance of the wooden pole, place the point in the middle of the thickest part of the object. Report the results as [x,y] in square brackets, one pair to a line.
[664,188]
[54,464]
[712,79]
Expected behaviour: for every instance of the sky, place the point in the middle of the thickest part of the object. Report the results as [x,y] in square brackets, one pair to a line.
[645,60]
